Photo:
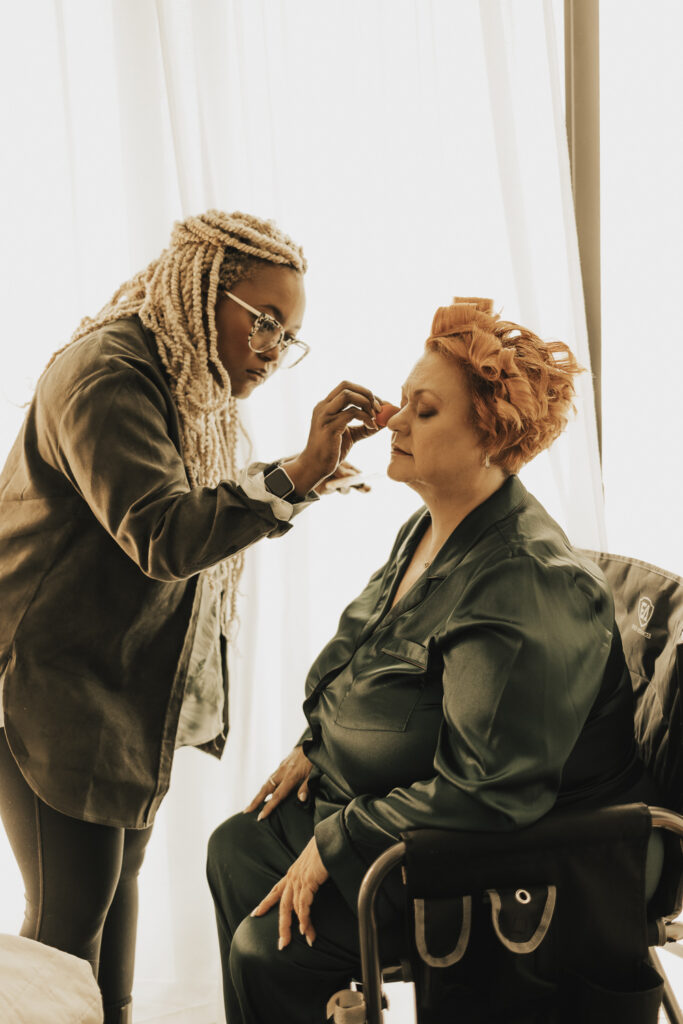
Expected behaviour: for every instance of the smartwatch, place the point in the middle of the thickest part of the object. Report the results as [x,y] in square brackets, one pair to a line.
[278,482]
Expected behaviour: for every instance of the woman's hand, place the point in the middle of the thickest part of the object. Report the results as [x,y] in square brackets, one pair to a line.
[331,437]
[295,893]
[293,771]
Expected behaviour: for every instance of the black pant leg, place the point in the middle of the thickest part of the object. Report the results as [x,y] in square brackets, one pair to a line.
[262,983]
[245,859]
[75,874]
[117,950]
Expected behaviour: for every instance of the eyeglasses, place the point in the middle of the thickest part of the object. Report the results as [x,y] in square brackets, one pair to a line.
[267,334]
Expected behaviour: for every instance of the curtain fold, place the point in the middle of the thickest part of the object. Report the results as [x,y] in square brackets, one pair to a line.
[525,95]
[143,147]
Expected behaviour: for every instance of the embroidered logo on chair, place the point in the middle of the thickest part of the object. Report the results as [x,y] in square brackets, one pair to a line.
[645,610]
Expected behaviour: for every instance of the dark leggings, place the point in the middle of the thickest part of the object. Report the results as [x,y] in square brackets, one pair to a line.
[80,881]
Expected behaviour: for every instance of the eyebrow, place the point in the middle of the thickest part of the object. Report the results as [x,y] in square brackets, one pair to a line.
[279,317]
[421,391]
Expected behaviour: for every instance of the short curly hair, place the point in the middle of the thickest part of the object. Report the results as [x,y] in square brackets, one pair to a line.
[522,388]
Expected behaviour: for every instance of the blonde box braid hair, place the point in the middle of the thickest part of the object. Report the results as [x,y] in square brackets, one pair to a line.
[175,298]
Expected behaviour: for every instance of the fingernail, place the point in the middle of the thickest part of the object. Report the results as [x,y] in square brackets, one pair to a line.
[301,929]
[309,940]
[280,943]
[259,816]
[302,796]
[377,404]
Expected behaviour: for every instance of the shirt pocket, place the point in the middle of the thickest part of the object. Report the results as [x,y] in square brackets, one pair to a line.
[386,688]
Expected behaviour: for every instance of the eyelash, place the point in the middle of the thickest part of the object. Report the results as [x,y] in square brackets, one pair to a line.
[420,415]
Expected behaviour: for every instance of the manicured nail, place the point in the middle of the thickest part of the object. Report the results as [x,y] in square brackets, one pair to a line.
[259,817]
[280,943]
[309,940]
[377,404]
[302,796]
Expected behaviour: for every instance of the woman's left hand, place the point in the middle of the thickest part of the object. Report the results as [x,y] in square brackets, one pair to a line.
[289,774]
[343,470]
[295,894]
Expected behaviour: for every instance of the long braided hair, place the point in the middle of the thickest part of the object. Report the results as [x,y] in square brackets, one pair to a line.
[175,298]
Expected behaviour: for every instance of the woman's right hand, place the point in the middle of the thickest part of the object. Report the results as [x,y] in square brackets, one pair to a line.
[331,437]
[291,772]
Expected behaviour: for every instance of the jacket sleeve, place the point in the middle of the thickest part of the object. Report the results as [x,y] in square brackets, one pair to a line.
[110,437]
[523,657]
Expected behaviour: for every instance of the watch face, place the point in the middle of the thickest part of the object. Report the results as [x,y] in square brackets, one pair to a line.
[278,483]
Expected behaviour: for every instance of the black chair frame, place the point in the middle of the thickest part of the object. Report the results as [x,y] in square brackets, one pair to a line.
[668,930]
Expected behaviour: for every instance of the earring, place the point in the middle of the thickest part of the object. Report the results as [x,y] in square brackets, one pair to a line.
[487,461]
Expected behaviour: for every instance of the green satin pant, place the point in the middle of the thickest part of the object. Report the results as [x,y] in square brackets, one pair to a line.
[246,858]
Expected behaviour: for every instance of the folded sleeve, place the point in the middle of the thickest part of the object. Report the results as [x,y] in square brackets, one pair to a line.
[110,438]
[522,659]
[252,482]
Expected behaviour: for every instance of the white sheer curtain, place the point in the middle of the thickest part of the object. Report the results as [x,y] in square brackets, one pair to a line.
[642,269]
[417,151]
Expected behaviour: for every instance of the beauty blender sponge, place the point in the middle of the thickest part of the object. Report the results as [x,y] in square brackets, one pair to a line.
[385,413]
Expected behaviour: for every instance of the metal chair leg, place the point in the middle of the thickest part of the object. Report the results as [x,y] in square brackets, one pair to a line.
[369,941]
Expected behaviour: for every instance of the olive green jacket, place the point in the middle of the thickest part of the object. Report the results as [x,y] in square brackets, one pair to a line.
[101,541]
[495,687]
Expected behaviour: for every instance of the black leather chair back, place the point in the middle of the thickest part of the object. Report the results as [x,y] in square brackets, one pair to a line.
[649,612]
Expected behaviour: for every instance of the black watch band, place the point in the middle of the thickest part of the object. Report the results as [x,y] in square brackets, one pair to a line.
[278,482]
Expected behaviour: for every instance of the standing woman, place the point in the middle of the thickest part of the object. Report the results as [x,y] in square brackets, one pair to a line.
[123,520]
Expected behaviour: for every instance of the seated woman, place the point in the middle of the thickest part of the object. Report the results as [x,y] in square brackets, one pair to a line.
[476,682]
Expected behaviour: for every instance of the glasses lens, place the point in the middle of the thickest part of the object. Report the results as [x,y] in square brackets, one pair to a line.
[293,354]
[266,335]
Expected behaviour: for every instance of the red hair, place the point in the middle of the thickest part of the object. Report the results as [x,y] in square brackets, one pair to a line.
[522,388]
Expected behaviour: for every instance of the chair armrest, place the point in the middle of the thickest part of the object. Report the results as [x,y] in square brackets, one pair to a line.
[367,928]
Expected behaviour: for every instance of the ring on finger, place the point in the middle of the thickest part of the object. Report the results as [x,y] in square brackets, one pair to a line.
[271,780]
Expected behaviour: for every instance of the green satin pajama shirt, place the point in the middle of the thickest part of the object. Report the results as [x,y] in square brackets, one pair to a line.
[495,687]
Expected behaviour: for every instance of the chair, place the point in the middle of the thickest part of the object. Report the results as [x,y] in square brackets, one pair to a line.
[520,874]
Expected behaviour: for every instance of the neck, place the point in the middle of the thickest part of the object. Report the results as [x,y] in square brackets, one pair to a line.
[448,509]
